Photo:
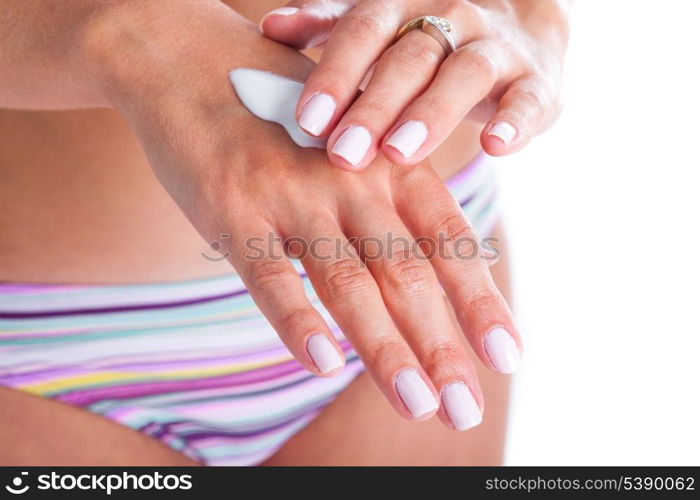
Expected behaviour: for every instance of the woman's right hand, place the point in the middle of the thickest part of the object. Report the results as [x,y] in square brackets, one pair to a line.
[166,68]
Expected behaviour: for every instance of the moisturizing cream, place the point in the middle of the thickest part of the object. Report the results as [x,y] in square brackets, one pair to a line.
[273,98]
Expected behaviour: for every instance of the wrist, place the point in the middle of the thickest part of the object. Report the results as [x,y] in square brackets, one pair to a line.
[130,47]
[180,49]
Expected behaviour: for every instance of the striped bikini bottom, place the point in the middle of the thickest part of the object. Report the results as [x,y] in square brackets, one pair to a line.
[193,364]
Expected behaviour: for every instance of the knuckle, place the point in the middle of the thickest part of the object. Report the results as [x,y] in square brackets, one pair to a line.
[385,12]
[269,274]
[346,276]
[384,352]
[365,25]
[452,7]
[480,17]
[478,60]
[471,14]
[456,237]
[454,226]
[298,320]
[411,59]
[478,302]
[529,105]
[408,273]
[443,353]
[533,98]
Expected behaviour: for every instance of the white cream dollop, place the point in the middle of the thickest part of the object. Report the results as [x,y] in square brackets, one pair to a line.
[273,98]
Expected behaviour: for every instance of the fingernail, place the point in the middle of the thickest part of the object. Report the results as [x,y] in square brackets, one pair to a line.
[317,113]
[461,406]
[414,393]
[323,352]
[408,138]
[282,11]
[353,144]
[502,350]
[504,131]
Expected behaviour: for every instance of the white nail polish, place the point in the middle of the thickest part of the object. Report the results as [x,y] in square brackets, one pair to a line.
[461,406]
[502,350]
[504,131]
[408,138]
[353,144]
[324,353]
[414,393]
[317,113]
[282,11]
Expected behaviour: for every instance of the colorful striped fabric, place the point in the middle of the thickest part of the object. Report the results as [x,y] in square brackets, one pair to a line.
[193,363]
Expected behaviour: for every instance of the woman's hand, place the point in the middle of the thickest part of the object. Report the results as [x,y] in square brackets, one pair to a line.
[167,70]
[505,72]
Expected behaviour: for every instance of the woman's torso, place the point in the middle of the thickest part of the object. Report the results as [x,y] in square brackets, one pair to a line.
[79,203]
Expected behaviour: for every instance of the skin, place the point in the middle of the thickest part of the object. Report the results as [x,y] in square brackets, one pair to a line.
[105,144]
[509,52]
[353,430]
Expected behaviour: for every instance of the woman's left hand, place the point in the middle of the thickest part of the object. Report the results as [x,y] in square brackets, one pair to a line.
[505,73]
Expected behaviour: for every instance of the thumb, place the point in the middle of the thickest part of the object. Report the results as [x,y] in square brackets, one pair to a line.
[304,23]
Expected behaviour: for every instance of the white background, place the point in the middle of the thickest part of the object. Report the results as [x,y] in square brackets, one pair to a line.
[602,212]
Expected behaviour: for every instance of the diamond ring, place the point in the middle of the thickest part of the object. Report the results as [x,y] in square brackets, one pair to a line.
[438,28]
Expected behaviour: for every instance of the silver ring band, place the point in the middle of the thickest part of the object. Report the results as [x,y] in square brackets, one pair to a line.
[438,28]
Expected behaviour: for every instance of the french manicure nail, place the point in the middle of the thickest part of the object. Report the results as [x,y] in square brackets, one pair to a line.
[502,350]
[408,138]
[317,113]
[414,393]
[353,144]
[324,354]
[504,131]
[461,406]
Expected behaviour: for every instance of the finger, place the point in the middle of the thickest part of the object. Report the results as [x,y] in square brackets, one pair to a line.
[401,74]
[431,212]
[351,295]
[413,297]
[304,23]
[356,42]
[464,78]
[524,110]
[276,288]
